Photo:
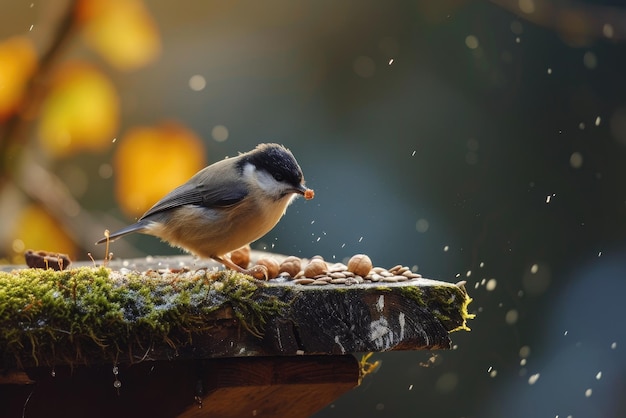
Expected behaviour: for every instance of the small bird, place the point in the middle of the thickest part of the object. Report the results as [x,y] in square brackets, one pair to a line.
[226,205]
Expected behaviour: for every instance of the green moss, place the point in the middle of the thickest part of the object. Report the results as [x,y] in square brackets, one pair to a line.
[447,302]
[78,315]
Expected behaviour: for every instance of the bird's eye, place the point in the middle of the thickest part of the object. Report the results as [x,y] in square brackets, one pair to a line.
[278,177]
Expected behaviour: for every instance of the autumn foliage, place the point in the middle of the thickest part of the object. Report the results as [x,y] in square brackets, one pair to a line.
[54,109]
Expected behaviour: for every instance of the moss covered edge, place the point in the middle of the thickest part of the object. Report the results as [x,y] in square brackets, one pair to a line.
[448,302]
[88,314]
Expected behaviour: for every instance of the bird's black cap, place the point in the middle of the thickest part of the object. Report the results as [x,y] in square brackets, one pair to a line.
[278,161]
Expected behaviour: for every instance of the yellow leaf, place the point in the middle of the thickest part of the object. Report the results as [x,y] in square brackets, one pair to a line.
[18,61]
[151,161]
[36,229]
[122,31]
[81,111]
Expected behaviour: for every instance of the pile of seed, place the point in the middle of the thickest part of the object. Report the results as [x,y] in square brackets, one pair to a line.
[318,272]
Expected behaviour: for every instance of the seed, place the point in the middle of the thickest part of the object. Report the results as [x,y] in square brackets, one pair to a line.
[391,279]
[337,267]
[309,194]
[319,282]
[338,281]
[396,267]
[241,256]
[360,264]
[271,264]
[315,267]
[408,273]
[401,270]
[401,278]
[303,280]
[378,269]
[291,265]
[337,275]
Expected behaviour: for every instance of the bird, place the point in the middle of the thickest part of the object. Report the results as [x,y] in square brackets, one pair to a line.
[226,205]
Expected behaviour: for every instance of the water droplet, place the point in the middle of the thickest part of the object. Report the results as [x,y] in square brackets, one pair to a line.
[117,384]
[115,370]
[533,379]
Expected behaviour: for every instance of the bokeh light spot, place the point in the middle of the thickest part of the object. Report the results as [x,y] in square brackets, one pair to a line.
[471,42]
[197,82]
[511,317]
[105,171]
[422,225]
[590,60]
[576,160]
[219,133]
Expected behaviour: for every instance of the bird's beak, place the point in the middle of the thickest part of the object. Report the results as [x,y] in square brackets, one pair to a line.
[301,189]
[304,191]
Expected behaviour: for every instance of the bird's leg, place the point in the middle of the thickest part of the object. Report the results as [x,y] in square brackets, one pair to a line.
[258,272]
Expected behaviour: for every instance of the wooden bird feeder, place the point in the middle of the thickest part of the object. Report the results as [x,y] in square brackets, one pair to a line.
[175,337]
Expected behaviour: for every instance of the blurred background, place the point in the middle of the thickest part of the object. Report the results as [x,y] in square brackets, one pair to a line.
[477,141]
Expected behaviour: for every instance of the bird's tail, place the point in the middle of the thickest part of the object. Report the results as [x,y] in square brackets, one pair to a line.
[136,227]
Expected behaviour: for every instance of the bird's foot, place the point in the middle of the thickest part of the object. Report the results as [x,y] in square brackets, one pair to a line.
[258,272]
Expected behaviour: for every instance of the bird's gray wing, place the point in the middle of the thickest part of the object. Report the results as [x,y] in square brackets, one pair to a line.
[214,195]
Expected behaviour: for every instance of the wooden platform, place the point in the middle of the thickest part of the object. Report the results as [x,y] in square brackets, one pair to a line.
[203,343]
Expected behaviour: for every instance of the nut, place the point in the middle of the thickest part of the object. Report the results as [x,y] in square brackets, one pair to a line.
[360,264]
[271,264]
[291,265]
[241,257]
[315,268]
[46,260]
